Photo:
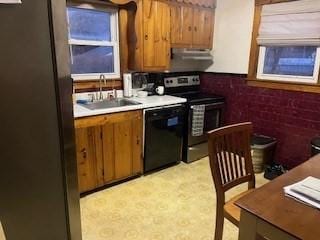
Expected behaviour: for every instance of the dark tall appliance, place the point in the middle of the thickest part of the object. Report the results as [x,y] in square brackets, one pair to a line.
[38,182]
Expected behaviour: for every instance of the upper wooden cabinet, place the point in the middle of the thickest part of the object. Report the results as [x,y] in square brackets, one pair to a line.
[191,27]
[148,34]
[153,27]
[156,35]
[199,3]
[109,148]
[181,22]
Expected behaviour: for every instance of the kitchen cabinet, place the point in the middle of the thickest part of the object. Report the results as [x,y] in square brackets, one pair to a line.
[122,145]
[89,155]
[109,148]
[191,27]
[156,39]
[181,25]
[148,28]
[153,27]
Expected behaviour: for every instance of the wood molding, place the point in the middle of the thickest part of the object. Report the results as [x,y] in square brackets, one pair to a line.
[93,85]
[264,2]
[93,121]
[122,2]
[254,52]
[284,86]
[189,4]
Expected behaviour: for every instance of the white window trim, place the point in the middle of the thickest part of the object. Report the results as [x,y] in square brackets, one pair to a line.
[114,29]
[287,78]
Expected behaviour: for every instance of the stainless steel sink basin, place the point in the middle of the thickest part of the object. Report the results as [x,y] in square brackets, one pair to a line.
[109,104]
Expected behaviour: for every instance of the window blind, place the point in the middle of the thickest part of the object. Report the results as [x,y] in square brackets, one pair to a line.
[291,23]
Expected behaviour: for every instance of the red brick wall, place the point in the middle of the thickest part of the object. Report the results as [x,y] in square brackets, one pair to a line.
[291,117]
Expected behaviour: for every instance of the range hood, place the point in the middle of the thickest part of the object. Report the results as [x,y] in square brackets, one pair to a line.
[192,54]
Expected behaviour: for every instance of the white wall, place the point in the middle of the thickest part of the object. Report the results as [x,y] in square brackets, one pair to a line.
[232,36]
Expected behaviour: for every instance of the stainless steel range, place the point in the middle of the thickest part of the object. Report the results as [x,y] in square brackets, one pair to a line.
[204,112]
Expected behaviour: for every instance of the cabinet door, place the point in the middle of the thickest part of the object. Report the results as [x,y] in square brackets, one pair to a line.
[89,157]
[203,28]
[187,23]
[122,145]
[176,24]
[108,152]
[122,149]
[137,138]
[207,27]
[117,148]
[156,28]
[181,26]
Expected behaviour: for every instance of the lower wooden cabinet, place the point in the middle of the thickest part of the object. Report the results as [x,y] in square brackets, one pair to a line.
[109,148]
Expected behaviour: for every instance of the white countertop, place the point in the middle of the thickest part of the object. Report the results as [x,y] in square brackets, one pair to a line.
[147,102]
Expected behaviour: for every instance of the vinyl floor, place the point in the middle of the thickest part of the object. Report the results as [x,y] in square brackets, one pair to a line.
[177,203]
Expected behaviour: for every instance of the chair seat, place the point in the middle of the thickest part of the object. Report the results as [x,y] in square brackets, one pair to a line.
[231,211]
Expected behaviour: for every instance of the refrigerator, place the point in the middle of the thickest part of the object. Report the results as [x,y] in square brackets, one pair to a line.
[39,196]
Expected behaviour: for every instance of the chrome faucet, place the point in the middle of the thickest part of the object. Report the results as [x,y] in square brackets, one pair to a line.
[102,77]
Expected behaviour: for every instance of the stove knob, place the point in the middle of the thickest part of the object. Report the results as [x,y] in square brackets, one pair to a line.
[167,81]
[171,81]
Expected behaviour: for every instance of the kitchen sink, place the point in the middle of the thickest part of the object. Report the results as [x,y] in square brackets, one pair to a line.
[109,104]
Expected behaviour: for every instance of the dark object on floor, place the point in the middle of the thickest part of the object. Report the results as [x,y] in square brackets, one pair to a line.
[315,146]
[262,150]
[274,171]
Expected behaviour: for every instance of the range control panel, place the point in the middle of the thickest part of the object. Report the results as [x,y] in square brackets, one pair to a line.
[181,81]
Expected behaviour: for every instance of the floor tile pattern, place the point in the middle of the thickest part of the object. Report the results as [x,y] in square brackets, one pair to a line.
[177,203]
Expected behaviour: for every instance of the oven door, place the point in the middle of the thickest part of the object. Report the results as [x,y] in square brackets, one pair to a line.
[212,120]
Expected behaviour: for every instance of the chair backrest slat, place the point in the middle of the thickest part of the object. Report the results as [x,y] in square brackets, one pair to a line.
[230,155]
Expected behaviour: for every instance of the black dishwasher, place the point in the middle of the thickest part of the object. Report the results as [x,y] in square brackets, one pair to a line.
[164,129]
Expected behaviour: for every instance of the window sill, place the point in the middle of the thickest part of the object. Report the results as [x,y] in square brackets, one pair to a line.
[312,88]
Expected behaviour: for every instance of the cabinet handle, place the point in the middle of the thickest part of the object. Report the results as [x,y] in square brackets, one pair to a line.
[189,28]
[84,153]
[195,29]
[146,37]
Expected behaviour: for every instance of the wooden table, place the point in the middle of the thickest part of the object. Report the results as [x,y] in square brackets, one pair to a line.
[269,213]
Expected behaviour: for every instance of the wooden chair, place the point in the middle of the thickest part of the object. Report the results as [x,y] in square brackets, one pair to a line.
[231,165]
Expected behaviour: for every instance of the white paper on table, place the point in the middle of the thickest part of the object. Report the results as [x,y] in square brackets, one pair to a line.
[299,197]
[11,1]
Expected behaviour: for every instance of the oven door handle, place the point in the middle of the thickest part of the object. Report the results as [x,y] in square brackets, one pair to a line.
[210,105]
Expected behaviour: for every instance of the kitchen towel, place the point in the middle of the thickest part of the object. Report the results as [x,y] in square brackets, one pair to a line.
[306,191]
[198,120]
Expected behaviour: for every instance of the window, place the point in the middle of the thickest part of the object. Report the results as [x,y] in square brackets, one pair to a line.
[286,45]
[289,63]
[93,41]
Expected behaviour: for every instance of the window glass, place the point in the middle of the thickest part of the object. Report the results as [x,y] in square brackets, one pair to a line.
[92,59]
[294,61]
[89,24]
